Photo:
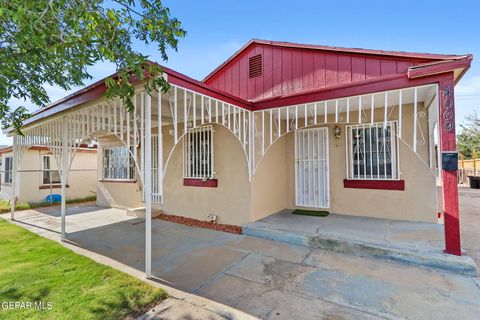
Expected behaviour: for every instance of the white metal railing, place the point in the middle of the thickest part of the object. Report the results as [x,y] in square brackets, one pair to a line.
[270,124]
[156,190]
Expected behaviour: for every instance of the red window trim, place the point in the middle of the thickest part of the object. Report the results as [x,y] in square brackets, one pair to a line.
[53,186]
[118,180]
[398,185]
[210,183]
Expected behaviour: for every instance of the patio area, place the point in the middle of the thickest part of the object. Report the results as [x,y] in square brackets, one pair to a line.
[268,279]
[417,243]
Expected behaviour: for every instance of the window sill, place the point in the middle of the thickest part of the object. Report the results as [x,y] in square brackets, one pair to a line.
[210,183]
[117,181]
[398,185]
[53,186]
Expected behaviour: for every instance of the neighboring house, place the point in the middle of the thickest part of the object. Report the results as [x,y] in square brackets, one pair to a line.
[277,126]
[39,175]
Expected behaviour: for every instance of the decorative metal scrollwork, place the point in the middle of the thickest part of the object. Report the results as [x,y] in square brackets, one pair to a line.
[448,112]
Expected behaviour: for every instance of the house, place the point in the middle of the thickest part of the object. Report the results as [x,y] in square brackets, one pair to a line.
[277,126]
[39,176]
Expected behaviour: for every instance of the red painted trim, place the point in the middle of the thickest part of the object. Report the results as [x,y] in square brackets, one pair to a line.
[449,177]
[181,80]
[384,83]
[97,89]
[375,184]
[210,183]
[54,186]
[117,181]
[83,148]
[438,67]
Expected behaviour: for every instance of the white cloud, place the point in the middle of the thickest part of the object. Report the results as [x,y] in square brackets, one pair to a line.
[467,99]
[468,87]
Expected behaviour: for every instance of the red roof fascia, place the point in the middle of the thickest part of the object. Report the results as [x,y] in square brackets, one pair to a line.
[385,83]
[97,89]
[438,67]
[397,54]
[6,149]
[82,148]
[182,80]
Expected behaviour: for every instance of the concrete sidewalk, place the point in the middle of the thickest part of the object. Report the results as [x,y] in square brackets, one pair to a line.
[266,279]
[82,217]
[415,243]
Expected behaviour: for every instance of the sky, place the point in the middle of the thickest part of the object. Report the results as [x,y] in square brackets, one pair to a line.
[217,28]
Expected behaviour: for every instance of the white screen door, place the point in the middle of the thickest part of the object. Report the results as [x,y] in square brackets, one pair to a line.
[311,168]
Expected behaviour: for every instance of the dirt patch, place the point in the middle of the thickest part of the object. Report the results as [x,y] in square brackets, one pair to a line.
[200,224]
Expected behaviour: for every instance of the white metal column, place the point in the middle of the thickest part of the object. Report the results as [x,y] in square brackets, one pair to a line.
[64,171]
[148,185]
[15,163]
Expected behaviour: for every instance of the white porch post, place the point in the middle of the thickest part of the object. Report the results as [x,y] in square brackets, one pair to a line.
[148,185]
[63,178]
[14,176]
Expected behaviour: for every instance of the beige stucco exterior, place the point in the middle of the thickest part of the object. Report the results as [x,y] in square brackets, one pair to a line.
[81,178]
[418,202]
[230,201]
[236,200]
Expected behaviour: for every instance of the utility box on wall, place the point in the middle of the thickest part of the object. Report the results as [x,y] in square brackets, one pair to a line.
[450,160]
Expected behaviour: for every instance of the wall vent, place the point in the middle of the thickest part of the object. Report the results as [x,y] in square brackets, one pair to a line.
[255,66]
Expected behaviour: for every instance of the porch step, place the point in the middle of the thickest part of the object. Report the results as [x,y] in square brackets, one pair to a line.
[431,259]
[139,212]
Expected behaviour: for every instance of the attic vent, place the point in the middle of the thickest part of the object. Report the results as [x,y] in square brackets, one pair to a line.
[255,66]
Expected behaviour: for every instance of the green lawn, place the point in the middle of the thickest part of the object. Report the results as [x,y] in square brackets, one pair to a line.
[35,269]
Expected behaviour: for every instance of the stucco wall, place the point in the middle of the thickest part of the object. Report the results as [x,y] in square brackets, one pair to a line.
[417,202]
[230,201]
[81,183]
[116,193]
[236,201]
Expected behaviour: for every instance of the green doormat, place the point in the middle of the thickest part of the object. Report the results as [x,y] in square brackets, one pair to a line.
[311,213]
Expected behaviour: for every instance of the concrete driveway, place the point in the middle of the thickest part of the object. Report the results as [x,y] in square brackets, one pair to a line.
[274,280]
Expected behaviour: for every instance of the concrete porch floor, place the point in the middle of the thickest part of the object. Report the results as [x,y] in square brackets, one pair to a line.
[410,242]
[268,279]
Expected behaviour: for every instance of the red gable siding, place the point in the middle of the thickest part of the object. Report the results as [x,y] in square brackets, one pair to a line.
[295,70]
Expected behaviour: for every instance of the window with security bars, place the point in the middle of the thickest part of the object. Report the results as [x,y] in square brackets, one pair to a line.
[198,162]
[118,163]
[372,151]
[8,169]
[51,175]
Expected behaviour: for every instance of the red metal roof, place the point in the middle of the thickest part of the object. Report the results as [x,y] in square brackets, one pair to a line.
[96,89]
[365,68]
[82,148]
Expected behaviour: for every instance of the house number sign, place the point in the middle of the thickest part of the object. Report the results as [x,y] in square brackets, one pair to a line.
[448,111]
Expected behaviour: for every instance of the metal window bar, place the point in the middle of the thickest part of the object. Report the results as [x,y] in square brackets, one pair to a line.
[118,163]
[198,163]
[372,151]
